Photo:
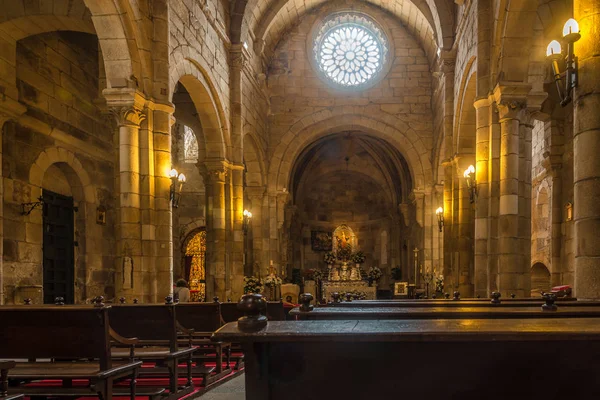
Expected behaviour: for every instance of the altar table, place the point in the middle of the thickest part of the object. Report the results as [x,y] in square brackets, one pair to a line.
[330,287]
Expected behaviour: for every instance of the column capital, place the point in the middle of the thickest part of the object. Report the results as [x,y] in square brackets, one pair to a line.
[127,116]
[125,105]
[511,99]
[255,192]
[214,171]
[238,56]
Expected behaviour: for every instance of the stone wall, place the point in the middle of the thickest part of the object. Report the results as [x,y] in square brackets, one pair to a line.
[57,78]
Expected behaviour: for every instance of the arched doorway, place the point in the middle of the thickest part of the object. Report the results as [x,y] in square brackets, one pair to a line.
[195,264]
[540,279]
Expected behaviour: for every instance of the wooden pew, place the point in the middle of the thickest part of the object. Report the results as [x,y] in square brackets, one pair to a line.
[64,333]
[457,303]
[204,319]
[156,328]
[5,366]
[406,313]
[495,359]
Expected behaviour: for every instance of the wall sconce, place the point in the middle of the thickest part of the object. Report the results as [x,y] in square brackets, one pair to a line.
[27,208]
[554,53]
[175,190]
[569,211]
[246,223]
[440,217]
[469,175]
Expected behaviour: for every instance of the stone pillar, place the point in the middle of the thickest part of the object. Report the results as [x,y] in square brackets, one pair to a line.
[465,232]
[214,173]
[237,245]
[482,155]
[131,279]
[256,195]
[512,275]
[555,171]
[162,231]
[493,200]
[586,147]
[525,170]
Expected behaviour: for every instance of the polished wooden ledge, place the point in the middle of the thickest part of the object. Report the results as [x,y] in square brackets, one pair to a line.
[442,330]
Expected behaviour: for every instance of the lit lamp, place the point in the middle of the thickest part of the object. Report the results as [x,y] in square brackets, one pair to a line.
[469,175]
[246,223]
[554,53]
[440,217]
[175,189]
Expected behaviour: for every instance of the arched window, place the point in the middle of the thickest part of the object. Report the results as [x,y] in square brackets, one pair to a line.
[190,143]
[195,264]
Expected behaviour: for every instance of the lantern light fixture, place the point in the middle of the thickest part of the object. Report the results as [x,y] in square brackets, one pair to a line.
[554,52]
[177,181]
[469,175]
[440,217]
[246,221]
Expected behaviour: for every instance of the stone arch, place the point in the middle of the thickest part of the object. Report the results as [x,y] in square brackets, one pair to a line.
[254,161]
[210,110]
[464,118]
[540,278]
[316,126]
[59,155]
[514,33]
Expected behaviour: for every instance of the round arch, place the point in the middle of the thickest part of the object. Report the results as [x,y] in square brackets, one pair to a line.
[206,100]
[302,134]
[465,119]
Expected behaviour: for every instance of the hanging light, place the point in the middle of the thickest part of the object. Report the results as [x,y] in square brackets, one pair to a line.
[177,181]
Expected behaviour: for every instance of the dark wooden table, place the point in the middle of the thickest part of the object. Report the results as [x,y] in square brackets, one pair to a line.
[490,312]
[460,303]
[425,359]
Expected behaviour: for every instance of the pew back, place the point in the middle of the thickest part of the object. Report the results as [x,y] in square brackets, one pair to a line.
[202,317]
[55,332]
[230,312]
[147,322]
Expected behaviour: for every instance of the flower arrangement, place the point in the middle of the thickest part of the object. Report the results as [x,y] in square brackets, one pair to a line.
[358,257]
[252,284]
[396,273]
[344,252]
[272,280]
[313,274]
[329,258]
[439,283]
[374,274]
[354,294]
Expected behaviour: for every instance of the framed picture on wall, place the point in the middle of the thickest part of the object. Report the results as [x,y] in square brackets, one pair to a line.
[401,289]
[321,240]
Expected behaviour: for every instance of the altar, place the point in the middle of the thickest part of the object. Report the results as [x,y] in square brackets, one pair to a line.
[329,287]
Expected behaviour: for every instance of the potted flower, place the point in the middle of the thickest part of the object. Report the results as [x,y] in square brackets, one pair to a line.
[374,275]
[439,284]
[329,258]
[252,285]
[358,258]
[272,281]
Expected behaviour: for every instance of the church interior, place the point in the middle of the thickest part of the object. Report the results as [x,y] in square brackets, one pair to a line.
[265,179]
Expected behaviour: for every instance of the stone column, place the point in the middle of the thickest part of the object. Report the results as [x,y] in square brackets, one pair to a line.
[256,195]
[586,147]
[161,231]
[465,230]
[214,173]
[511,273]
[493,200]
[482,154]
[127,283]
[237,245]
[525,166]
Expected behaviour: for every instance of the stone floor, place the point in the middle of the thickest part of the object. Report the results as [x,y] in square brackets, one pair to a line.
[232,390]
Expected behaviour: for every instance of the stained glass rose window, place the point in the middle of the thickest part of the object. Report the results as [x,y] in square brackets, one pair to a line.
[350,49]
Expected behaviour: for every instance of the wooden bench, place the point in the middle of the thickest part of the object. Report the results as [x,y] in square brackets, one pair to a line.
[457,303]
[6,365]
[436,312]
[204,319]
[44,335]
[156,330]
[495,359]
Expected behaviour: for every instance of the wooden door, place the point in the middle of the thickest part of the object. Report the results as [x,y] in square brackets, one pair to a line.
[58,248]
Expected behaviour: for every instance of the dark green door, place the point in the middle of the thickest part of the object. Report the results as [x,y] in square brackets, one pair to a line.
[58,248]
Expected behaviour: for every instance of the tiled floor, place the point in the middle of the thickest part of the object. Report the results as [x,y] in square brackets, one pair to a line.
[232,390]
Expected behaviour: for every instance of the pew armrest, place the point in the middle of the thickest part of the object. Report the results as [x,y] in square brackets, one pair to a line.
[119,370]
[181,353]
[123,340]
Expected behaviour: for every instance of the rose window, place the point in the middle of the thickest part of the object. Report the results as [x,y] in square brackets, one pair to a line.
[350,50]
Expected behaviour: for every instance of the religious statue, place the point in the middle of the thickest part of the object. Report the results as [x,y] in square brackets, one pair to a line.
[127,272]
